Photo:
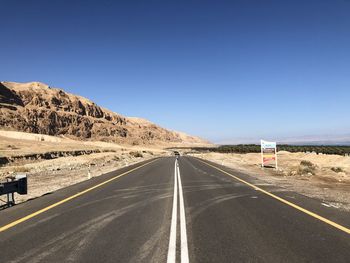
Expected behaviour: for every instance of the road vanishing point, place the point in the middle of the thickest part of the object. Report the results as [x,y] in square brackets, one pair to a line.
[168,210]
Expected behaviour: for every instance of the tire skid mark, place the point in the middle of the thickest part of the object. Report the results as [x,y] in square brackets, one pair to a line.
[80,237]
[201,207]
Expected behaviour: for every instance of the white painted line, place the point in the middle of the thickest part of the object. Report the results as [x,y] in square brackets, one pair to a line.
[184,246]
[172,239]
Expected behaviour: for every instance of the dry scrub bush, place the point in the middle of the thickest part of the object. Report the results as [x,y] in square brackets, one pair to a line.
[115,158]
[337,169]
[136,154]
[20,169]
[306,168]
[306,163]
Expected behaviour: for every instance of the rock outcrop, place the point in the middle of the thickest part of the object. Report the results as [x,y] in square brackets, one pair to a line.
[37,108]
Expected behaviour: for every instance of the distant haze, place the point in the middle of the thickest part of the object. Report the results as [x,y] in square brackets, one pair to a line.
[302,140]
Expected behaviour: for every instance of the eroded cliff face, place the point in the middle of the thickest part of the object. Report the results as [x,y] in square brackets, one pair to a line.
[37,108]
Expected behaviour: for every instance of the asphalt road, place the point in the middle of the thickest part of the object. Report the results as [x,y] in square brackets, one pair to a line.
[167,211]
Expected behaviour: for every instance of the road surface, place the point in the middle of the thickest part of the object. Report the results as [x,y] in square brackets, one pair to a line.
[168,211]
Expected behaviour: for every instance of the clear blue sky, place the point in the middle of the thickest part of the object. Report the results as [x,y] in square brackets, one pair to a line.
[218,69]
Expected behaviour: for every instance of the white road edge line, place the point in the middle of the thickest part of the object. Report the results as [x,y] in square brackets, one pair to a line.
[172,239]
[184,246]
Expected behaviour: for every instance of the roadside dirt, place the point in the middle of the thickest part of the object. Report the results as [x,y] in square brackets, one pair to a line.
[325,177]
[55,163]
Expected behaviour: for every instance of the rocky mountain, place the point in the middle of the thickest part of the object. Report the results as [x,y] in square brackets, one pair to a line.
[37,108]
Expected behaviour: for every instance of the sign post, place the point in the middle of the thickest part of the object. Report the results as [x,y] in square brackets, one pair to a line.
[268,153]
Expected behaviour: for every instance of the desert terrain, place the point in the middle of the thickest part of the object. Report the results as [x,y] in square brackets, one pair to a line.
[326,177]
[60,139]
[52,163]
[35,107]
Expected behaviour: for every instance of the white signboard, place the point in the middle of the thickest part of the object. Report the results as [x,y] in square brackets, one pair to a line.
[268,153]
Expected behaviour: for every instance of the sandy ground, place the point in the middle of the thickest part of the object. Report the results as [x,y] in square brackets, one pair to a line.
[45,176]
[50,175]
[20,143]
[331,187]
[328,178]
